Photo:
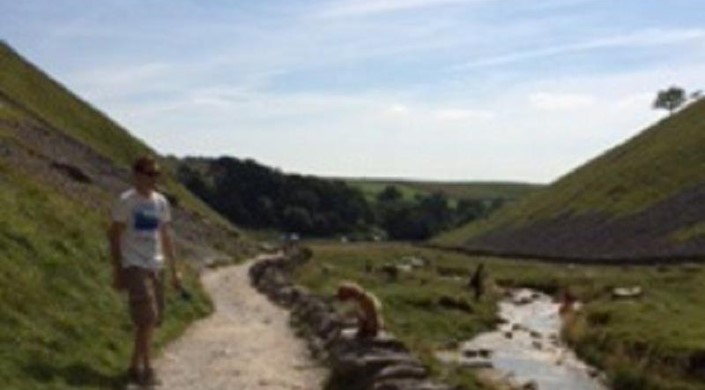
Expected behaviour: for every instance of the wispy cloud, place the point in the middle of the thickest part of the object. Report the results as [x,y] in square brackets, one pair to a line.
[462,115]
[550,101]
[397,109]
[641,38]
[124,82]
[642,99]
[371,7]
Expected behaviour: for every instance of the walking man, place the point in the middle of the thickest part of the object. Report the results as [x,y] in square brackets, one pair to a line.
[140,245]
[477,281]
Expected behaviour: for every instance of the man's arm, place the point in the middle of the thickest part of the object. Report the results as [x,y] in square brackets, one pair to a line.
[114,235]
[168,247]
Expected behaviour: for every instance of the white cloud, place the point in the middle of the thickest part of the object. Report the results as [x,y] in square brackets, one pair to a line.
[425,114]
[398,109]
[116,81]
[640,99]
[458,114]
[369,7]
[212,101]
[551,101]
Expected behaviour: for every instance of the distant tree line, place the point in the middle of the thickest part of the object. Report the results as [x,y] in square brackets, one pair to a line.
[255,196]
[426,215]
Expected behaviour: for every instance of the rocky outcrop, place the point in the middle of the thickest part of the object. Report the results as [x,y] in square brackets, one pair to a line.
[643,237]
[382,363]
[47,155]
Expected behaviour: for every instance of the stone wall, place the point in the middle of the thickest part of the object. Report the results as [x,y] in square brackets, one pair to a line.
[382,363]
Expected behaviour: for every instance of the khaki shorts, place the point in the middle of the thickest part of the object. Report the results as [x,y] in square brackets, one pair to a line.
[145,290]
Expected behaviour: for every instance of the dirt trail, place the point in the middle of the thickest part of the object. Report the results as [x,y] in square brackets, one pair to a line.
[246,344]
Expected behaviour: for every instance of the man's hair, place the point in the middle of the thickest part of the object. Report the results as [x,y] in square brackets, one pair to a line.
[145,163]
[347,289]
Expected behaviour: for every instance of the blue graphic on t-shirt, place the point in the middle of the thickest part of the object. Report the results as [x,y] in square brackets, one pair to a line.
[146,219]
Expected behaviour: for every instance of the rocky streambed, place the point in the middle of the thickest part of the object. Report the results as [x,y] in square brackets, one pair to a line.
[526,351]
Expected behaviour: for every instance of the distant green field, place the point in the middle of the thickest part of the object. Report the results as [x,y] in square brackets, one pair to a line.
[649,343]
[453,190]
[658,163]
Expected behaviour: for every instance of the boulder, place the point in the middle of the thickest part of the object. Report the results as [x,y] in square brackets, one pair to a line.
[455,304]
[402,371]
[73,172]
[416,262]
[476,363]
[531,385]
[367,365]
[409,384]
[627,292]
[470,353]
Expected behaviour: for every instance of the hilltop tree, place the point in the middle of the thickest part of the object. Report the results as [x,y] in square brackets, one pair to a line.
[670,99]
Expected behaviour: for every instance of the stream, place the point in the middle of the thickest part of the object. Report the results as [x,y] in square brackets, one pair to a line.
[526,348]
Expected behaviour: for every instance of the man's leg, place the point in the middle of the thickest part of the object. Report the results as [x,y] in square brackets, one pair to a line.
[136,360]
[142,351]
[146,333]
[134,374]
[144,311]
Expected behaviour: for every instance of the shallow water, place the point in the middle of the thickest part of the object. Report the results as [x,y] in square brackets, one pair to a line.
[528,347]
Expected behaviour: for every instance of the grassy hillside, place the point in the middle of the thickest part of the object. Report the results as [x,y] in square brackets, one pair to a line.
[62,163]
[61,325]
[453,190]
[38,97]
[52,103]
[633,182]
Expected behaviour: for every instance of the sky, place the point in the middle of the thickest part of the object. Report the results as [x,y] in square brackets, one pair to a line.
[511,90]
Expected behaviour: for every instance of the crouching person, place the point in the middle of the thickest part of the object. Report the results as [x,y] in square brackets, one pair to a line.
[140,244]
[367,309]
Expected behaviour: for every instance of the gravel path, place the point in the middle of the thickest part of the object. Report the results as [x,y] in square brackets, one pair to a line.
[246,344]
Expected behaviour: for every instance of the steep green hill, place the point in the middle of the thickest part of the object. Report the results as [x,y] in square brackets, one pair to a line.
[61,325]
[48,101]
[644,198]
[62,163]
[30,94]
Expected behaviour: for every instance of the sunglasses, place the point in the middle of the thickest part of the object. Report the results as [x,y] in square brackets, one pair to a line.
[149,173]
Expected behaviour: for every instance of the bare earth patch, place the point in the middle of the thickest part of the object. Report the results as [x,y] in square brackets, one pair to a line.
[246,344]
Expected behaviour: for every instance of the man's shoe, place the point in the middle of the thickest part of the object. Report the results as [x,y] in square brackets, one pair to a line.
[150,378]
[133,375]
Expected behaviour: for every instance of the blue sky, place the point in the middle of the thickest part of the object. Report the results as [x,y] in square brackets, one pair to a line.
[520,90]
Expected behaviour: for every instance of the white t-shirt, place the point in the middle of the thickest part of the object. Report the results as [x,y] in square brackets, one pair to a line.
[140,244]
